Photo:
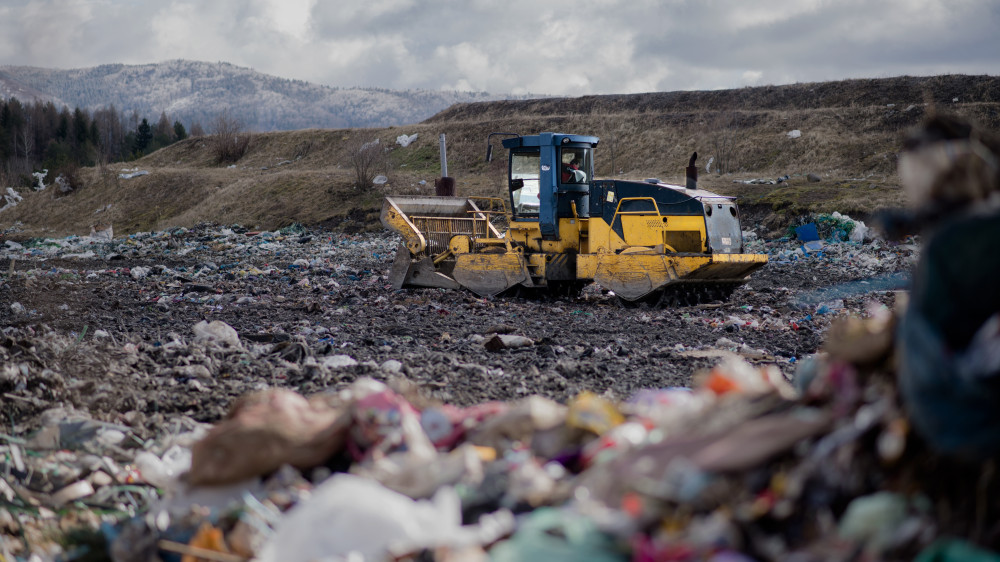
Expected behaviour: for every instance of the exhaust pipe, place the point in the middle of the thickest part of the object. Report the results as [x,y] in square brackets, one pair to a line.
[692,173]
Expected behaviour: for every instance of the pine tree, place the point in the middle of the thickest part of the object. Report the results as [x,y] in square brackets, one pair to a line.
[81,127]
[62,129]
[143,136]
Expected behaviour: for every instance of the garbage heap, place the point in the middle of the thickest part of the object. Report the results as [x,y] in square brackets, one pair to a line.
[743,466]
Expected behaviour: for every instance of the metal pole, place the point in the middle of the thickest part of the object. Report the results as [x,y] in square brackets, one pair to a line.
[444,158]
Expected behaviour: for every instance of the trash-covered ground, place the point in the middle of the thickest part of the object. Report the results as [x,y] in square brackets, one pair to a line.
[307,305]
[551,428]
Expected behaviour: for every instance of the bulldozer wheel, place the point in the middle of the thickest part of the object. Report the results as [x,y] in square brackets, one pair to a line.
[515,292]
[570,289]
[683,294]
[554,290]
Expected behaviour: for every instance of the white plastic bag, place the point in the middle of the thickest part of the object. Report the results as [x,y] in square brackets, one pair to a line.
[216,331]
[348,515]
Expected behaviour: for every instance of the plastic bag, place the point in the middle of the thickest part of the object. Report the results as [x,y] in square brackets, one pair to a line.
[349,514]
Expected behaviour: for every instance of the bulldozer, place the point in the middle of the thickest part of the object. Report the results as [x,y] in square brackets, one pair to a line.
[560,229]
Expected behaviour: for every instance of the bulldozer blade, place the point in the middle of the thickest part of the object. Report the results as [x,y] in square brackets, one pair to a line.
[400,267]
[490,274]
[634,276]
[406,271]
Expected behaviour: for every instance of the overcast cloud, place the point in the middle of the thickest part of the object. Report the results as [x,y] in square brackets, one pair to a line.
[518,46]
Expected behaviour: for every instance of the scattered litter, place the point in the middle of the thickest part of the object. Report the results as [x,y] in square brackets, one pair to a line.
[606,446]
[11,199]
[127,174]
[102,233]
[216,331]
[40,179]
[405,141]
[339,361]
[63,183]
[761,181]
[496,342]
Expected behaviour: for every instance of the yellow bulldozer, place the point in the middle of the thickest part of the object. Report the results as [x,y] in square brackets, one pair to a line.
[643,240]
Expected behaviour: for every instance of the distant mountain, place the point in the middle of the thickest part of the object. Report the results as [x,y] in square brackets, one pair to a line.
[191,91]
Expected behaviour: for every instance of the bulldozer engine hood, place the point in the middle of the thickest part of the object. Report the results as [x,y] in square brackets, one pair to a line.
[721,214]
[722,222]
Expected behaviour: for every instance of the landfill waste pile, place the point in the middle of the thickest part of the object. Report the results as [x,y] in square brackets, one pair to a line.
[216,393]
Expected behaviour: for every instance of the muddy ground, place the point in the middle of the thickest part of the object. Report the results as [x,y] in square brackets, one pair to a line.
[107,327]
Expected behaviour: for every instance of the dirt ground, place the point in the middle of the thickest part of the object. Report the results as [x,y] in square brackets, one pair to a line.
[107,327]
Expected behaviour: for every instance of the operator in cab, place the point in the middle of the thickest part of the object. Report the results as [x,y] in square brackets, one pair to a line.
[571,172]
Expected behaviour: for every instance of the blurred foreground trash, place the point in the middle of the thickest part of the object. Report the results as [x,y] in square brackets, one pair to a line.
[950,334]
[283,428]
[739,467]
[559,536]
[352,516]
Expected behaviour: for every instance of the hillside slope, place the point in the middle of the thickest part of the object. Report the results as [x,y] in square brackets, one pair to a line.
[192,91]
[895,93]
[306,176]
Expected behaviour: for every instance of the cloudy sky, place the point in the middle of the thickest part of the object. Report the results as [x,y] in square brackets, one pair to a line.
[518,46]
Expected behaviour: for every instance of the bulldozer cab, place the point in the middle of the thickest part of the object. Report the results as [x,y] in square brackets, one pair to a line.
[549,178]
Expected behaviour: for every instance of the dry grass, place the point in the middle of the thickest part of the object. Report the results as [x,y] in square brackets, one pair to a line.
[306,176]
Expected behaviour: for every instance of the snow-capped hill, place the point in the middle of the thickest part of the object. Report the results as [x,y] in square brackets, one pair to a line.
[192,91]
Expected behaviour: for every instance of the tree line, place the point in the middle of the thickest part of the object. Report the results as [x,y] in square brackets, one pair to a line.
[36,136]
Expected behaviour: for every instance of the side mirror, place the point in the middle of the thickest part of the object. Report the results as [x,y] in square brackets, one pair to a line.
[489,147]
[516,184]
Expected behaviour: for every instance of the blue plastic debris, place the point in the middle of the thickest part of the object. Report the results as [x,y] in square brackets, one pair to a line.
[807,232]
[812,246]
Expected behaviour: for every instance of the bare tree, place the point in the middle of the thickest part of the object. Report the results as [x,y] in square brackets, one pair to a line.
[25,143]
[111,132]
[616,131]
[368,158]
[229,139]
[724,129]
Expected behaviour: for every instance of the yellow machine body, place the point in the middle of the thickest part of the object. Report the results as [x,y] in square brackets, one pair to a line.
[640,240]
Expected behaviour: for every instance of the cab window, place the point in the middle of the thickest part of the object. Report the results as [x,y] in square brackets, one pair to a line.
[525,169]
[576,165]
